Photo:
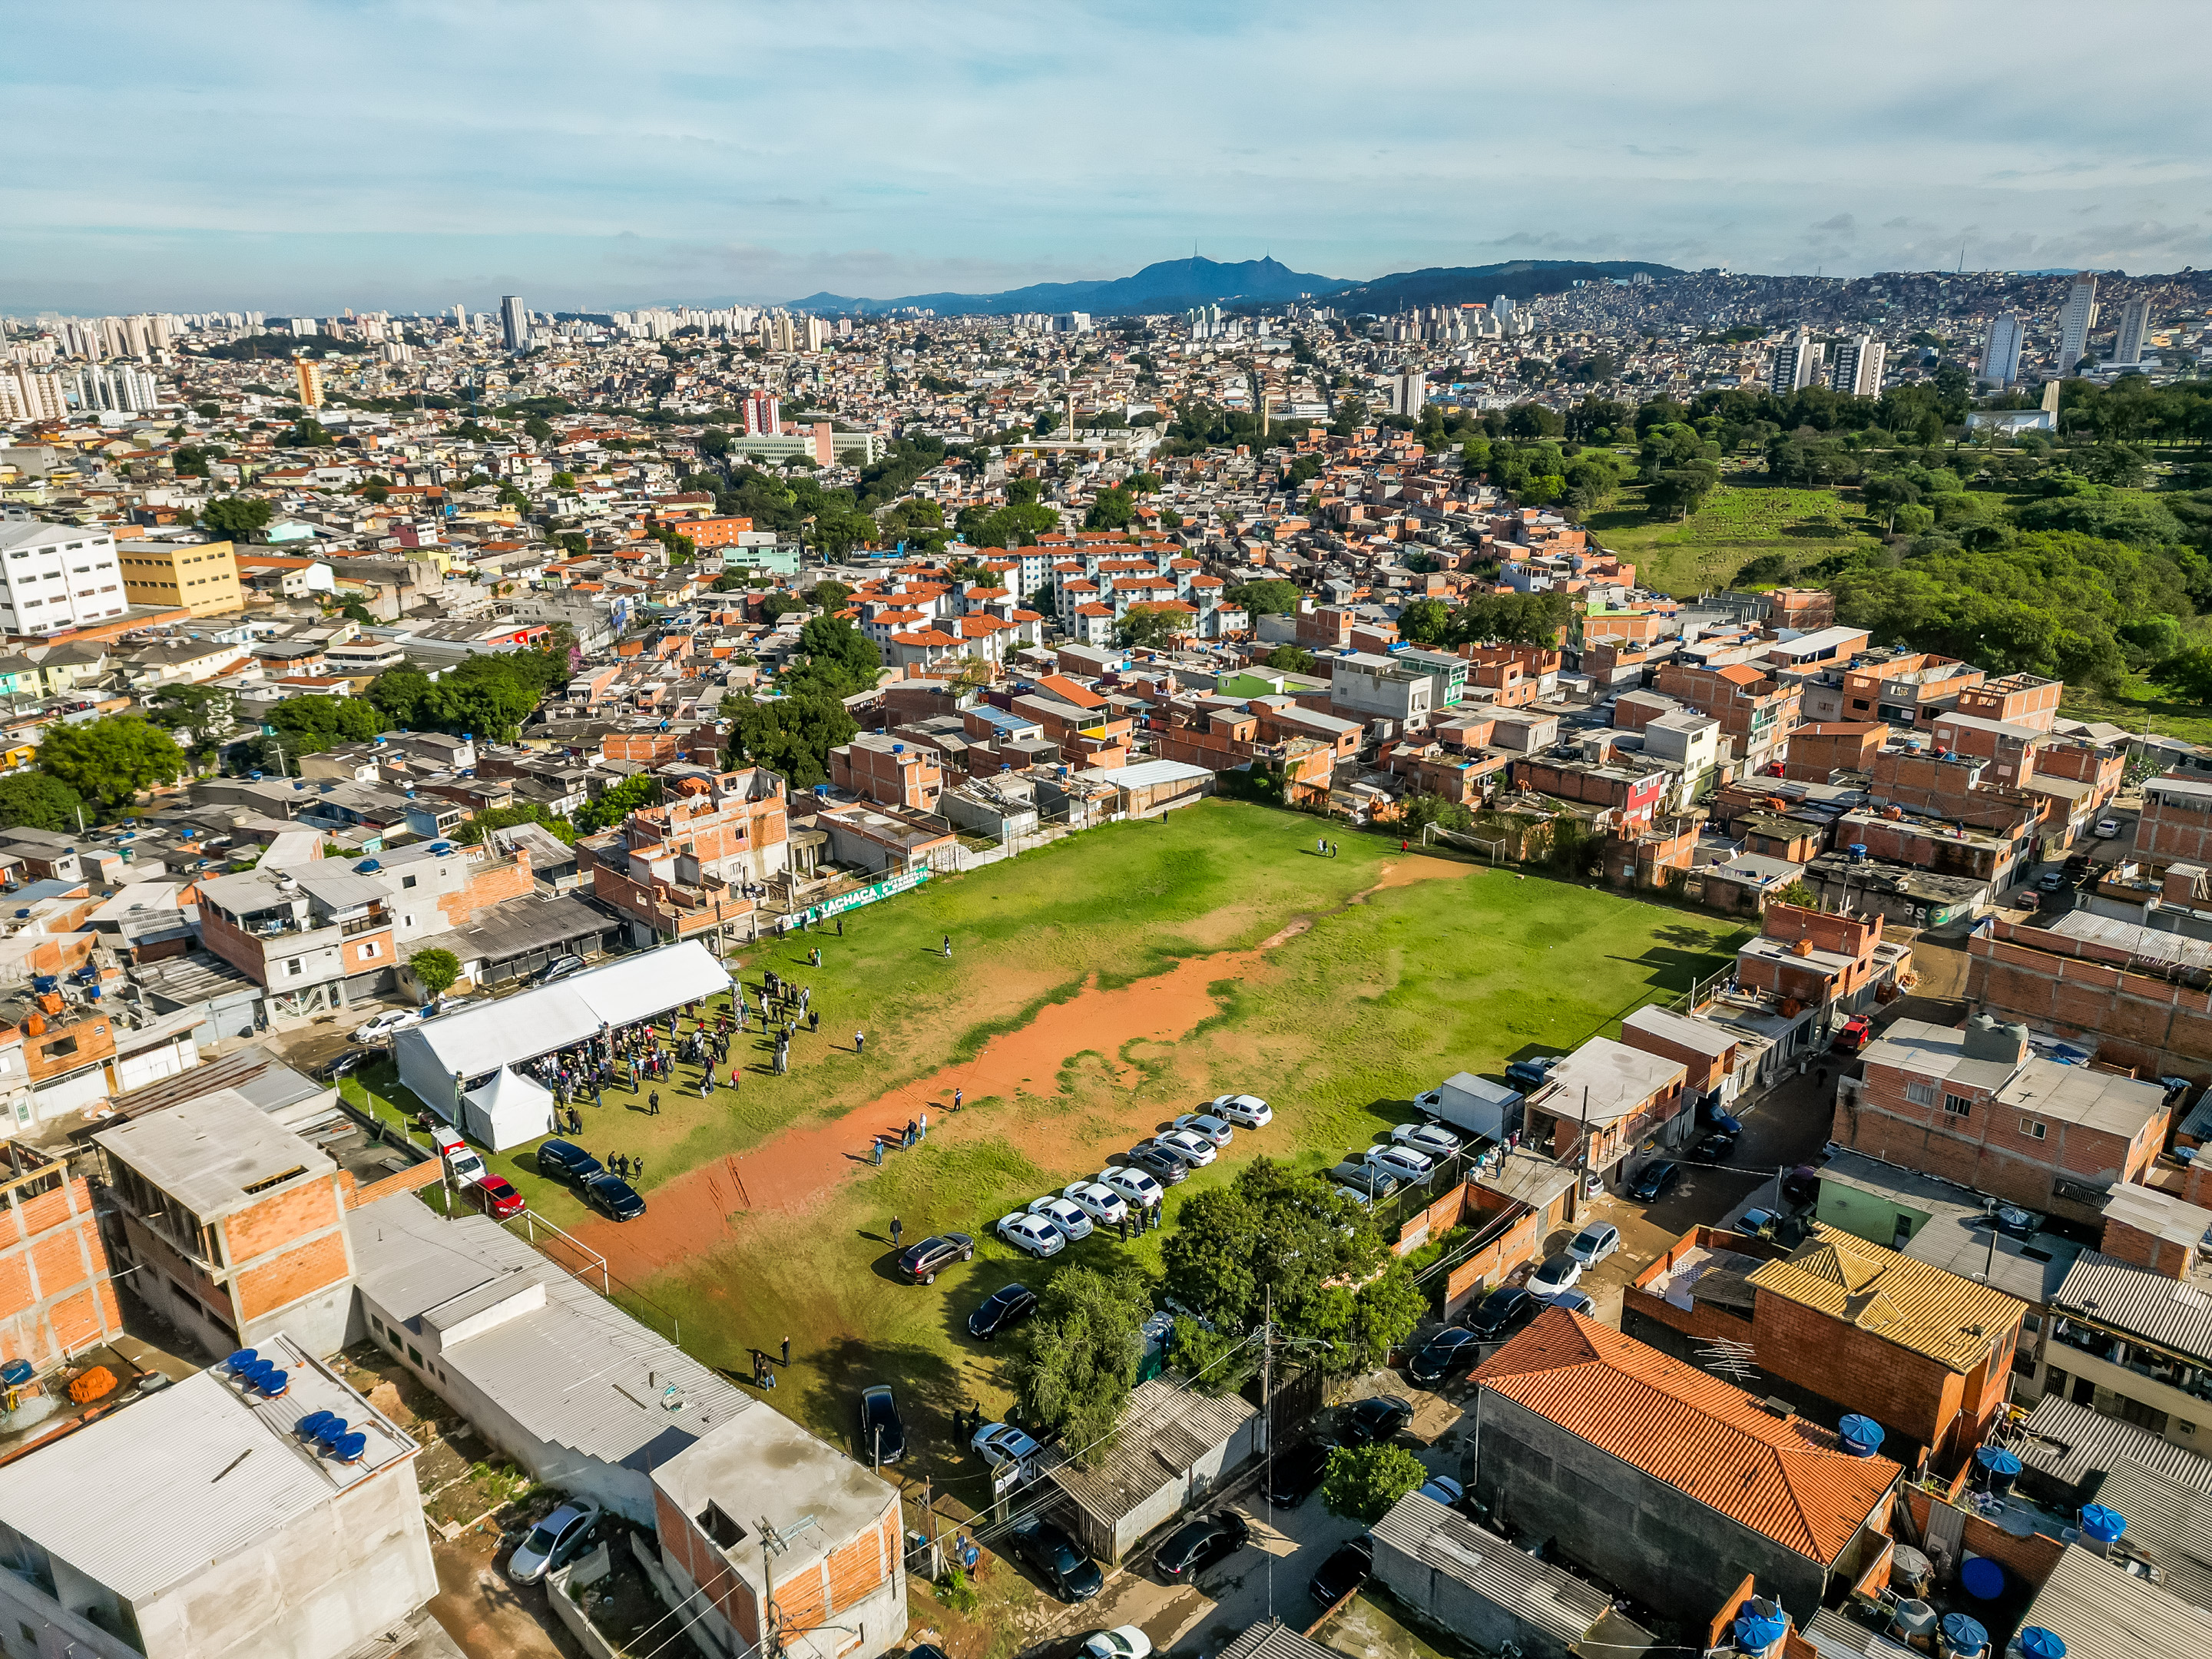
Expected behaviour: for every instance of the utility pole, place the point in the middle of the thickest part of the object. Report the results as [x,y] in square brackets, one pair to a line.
[773,1544]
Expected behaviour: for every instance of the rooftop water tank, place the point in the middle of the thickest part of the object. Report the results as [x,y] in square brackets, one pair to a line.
[1983,1579]
[2036,1643]
[2102,1524]
[367,867]
[1996,1469]
[1912,1620]
[1862,1435]
[1760,1626]
[1910,1572]
[1962,1638]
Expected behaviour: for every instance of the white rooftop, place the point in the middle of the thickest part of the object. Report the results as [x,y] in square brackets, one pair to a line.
[1619,1081]
[206,1153]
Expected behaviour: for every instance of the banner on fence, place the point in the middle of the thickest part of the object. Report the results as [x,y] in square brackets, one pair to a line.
[854,900]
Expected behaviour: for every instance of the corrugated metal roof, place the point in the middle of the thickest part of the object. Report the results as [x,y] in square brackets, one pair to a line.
[576,1371]
[2101,1611]
[2145,944]
[205,1152]
[1163,1430]
[2169,1525]
[1952,1320]
[147,1496]
[2125,1297]
[1273,1639]
[2088,1440]
[1785,1477]
[1547,1596]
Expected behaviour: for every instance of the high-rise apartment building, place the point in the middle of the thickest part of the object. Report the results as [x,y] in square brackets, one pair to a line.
[2000,352]
[309,374]
[26,395]
[461,319]
[514,324]
[2076,322]
[54,577]
[1856,371]
[2134,330]
[818,333]
[1796,364]
[120,387]
[763,416]
[1409,392]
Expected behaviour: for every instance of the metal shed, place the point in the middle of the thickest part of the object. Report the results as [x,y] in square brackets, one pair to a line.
[1174,1447]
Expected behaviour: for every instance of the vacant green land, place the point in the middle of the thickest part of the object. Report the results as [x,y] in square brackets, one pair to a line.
[1740,521]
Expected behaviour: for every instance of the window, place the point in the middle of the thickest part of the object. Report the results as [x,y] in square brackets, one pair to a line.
[2148,1417]
[296,968]
[2033,1127]
[1920,1094]
[406,881]
[415,1354]
[1957,1105]
[368,949]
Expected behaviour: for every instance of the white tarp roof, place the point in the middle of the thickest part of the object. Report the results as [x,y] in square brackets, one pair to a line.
[480,1040]
[506,1111]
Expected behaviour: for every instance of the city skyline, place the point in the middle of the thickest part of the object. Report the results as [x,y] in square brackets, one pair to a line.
[585,157]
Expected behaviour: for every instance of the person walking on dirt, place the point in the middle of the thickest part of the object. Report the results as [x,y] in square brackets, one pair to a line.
[876,1152]
[957,1094]
[922,1133]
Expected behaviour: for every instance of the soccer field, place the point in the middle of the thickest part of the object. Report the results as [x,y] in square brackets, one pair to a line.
[1097,989]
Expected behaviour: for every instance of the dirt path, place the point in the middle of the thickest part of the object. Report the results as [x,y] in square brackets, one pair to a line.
[799,1169]
[488,1617]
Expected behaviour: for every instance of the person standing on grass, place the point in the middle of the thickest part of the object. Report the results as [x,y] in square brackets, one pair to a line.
[653,1106]
[860,1043]
[922,1133]
[876,1152]
[956,1099]
[896,1230]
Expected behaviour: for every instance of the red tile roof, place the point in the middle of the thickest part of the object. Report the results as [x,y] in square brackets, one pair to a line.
[1785,1477]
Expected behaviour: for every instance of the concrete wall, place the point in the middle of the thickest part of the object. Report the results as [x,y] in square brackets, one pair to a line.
[1653,1541]
[1450,1605]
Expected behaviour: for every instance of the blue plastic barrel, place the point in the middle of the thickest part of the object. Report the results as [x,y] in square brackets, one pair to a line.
[1862,1435]
[1983,1579]
[1757,1631]
[2102,1524]
[1964,1635]
[1998,1468]
[2037,1642]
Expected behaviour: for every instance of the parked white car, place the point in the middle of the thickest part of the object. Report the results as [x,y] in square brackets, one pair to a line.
[1122,1642]
[2107,829]
[1100,1202]
[1064,1214]
[1559,1273]
[1002,1443]
[1400,1161]
[1133,1185]
[1595,1242]
[1429,1140]
[1205,1123]
[1193,1149]
[1250,1110]
[389,1023]
[1032,1234]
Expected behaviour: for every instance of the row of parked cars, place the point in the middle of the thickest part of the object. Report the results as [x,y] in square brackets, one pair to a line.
[1411,1154]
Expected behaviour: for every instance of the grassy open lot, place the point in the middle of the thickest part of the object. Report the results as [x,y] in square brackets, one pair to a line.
[1740,521]
[2139,704]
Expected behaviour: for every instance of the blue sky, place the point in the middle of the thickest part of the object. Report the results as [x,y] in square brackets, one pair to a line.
[308,156]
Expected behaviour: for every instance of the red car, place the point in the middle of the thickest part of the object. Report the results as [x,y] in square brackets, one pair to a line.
[496,1198]
[1852,1036]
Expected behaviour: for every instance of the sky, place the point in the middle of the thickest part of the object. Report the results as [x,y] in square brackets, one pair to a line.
[411,154]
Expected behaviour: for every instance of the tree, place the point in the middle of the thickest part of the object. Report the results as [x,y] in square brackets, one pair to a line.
[1080,1358]
[1418,811]
[829,597]
[434,970]
[1149,626]
[402,696]
[237,517]
[110,761]
[1332,1279]
[841,653]
[309,724]
[1801,893]
[791,735]
[503,817]
[31,800]
[1425,621]
[615,805]
[202,713]
[1364,1483]
[1111,509]
[1290,659]
[1270,596]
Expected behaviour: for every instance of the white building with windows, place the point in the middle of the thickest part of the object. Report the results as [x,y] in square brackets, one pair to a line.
[2075,322]
[56,577]
[2000,354]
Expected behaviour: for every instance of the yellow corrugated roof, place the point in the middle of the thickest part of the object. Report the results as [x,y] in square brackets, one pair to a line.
[1909,1302]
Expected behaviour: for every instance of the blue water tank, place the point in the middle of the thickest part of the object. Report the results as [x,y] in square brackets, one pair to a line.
[16,1372]
[43,983]
[1862,1435]
[367,867]
[350,1447]
[242,1358]
[2037,1642]
[1997,1468]
[1983,1579]
[1759,1625]
[313,1424]
[1963,1637]
[272,1382]
[2102,1524]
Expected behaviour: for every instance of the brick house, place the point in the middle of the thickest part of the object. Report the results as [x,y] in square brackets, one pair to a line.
[1818,752]
[681,868]
[1974,1106]
[1907,689]
[1820,961]
[1757,714]
[2176,821]
[888,771]
[313,939]
[1604,1100]
[2099,979]
[236,1226]
[57,1295]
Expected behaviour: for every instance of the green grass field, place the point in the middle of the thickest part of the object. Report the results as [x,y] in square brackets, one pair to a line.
[1740,521]
[2140,704]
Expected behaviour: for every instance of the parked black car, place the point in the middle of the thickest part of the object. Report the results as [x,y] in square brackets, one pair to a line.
[1296,1473]
[1002,1310]
[352,1061]
[1655,1181]
[922,1262]
[1073,1576]
[613,1197]
[1163,1167]
[1212,1538]
[1437,1355]
[565,1161]
[1503,1312]
[1376,1418]
[883,1435]
[1343,1572]
[1713,1149]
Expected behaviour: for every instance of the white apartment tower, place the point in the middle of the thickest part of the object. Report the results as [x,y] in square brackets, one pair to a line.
[1409,392]
[2076,322]
[2000,352]
[1796,364]
[514,324]
[763,415]
[2134,330]
[54,577]
[1857,370]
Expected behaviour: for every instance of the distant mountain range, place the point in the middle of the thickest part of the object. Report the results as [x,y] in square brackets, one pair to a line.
[1182,284]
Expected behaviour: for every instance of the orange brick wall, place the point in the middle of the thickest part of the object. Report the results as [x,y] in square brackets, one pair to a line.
[278,1220]
[706,1566]
[407,1181]
[2149,1024]
[512,879]
[55,1293]
[296,1274]
[1904,1390]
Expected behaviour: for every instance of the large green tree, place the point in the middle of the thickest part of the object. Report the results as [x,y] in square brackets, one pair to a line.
[309,724]
[845,657]
[110,761]
[1269,596]
[1080,1356]
[1111,509]
[238,517]
[791,735]
[1334,1279]
[31,800]
[1364,1483]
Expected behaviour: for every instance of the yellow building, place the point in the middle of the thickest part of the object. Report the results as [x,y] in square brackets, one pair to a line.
[201,576]
[311,381]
